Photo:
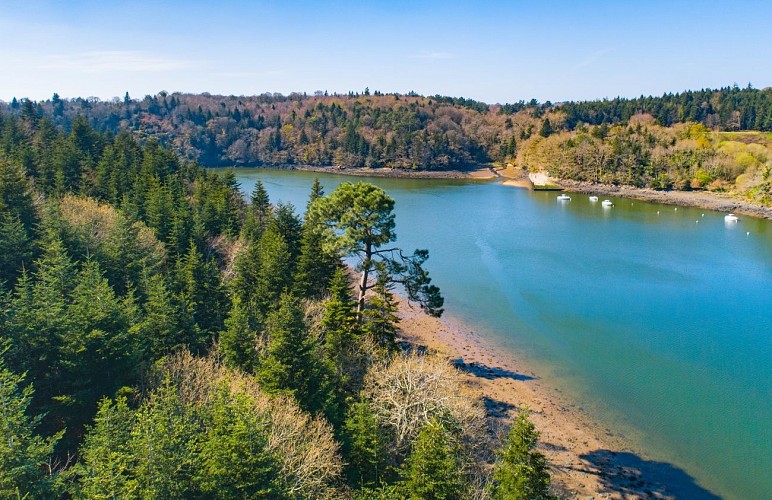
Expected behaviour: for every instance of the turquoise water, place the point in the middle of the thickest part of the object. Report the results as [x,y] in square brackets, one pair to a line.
[657,321]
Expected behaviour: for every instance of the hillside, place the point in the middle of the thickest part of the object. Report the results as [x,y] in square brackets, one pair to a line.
[647,141]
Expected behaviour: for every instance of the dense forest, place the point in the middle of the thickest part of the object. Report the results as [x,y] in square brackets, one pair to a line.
[392,130]
[645,142]
[163,337]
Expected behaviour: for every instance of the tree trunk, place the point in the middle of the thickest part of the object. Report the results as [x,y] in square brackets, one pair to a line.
[363,282]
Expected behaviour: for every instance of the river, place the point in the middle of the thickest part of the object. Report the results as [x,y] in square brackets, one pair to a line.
[656,320]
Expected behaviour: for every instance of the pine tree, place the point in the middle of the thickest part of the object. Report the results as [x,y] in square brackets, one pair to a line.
[433,469]
[99,353]
[234,459]
[164,444]
[106,466]
[316,265]
[201,294]
[163,328]
[238,340]
[290,365]
[258,213]
[521,471]
[274,274]
[24,456]
[365,446]
[16,248]
[379,318]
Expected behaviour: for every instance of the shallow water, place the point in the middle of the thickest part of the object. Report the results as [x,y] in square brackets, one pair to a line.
[656,320]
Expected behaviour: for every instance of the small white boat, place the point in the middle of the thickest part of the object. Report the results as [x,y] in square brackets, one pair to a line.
[607,203]
[564,197]
[731,218]
[593,198]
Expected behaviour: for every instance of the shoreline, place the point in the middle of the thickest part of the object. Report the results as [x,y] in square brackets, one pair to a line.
[719,202]
[478,172]
[515,177]
[587,459]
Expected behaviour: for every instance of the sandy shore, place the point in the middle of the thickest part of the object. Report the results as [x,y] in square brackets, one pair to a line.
[588,460]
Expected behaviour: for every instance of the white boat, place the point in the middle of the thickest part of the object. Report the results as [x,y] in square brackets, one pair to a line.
[607,203]
[731,218]
[564,197]
[593,198]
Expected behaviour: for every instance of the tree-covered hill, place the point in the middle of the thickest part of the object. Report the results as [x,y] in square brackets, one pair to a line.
[379,130]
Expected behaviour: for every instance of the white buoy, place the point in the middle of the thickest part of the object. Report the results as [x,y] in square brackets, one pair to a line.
[748,233]
[676,208]
[657,212]
[703,215]
[696,222]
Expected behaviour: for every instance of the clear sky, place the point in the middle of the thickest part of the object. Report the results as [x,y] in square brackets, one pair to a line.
[493,51]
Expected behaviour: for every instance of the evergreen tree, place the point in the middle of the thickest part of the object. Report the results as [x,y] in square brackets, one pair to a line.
[274,274]
[380,319]
[163,443]
[365,446]
[433,469]
[234,460]
[99,354]
[163,329]
[316,265]
[238,341]
[290,364]
[16,248]
[521,471]
[107,464]
[24,456]
[201,294]
[258,214]
[546,128]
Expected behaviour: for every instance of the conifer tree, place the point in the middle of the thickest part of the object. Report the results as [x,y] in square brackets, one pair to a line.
[24,455]
[521,471]
[201,293]
[316,265]
[238,340]
[365,445]
[106,466]
[274,274]
[258,213]
[234,459]
[290,364]
[380,319]
[433,469]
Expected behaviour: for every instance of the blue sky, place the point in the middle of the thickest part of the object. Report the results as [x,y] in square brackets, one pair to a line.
[493,51]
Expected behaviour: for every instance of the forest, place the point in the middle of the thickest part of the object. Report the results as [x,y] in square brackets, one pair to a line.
[161,336]
[645,142]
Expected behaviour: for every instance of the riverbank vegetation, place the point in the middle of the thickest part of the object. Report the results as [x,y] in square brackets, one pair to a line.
[707,139]
[162,337]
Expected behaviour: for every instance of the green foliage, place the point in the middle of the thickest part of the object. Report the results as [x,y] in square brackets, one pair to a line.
[365,446]
[521,471]
[291,365]
[379,317]
[238,341]
[202,295]
[360,221]
[234,461]
[433,469]
[107,463]
[25,457]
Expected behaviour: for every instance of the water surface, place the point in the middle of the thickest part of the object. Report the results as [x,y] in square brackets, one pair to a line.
[656,320]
